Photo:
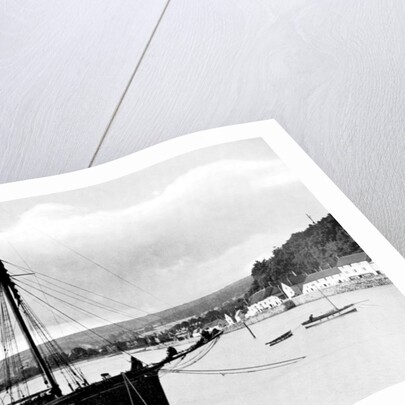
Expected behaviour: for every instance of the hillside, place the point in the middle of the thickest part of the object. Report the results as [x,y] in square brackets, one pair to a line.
[318,246]
[193,308]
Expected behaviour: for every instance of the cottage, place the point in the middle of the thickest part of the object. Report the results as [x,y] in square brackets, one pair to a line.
[267,303]
[266,292]
[239,316]
[229,320]
[357,265]
[322,279]
[296,282]
[288,291]
[217,324]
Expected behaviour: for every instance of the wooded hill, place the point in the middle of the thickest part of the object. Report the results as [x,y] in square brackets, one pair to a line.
[193,308]
[318,246]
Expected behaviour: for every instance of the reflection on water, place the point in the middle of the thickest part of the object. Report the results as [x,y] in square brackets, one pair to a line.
[347,358]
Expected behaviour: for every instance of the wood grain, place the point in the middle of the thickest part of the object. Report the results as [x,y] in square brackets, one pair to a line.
[63,68]
[329,71]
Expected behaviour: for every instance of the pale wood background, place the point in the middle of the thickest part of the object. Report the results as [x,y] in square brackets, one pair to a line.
[85,82]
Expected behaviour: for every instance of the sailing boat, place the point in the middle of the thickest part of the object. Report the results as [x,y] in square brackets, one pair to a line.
[327,316]
[140,385]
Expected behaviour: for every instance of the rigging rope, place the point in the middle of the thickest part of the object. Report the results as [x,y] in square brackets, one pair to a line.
[86,329]
[127,381]
[54,348]
[83,299]
[98,304]
[126,386]
[242,370]
[99,265]
[12,361]
[79,308]
[42,275]
[193,360]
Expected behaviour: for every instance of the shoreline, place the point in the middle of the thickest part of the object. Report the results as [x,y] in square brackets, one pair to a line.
[299,300]
[348,286]
[361,284]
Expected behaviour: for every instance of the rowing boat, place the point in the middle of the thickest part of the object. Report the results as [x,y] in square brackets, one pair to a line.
[280,339]
[334,313]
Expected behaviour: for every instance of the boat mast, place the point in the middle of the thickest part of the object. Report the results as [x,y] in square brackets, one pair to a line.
[13,298]
[324,295]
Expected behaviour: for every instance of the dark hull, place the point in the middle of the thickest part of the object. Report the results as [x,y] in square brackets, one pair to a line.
[136,389]
[316,320]
[114,391]
[280,338]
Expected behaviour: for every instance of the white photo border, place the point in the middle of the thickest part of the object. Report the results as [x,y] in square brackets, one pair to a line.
[304,168]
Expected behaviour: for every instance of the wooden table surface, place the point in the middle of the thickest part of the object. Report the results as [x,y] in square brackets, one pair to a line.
[85,82]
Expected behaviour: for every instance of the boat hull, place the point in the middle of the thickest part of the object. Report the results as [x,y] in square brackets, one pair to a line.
[134,388]
[329,316]
[280,338]
[138,387]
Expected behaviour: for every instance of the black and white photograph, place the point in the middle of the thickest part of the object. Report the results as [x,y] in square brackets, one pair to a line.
[212,277]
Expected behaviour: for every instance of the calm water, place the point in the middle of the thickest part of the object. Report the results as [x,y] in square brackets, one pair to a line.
[346,360]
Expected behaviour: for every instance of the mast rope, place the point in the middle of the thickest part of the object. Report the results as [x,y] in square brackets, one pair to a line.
[42,276]
[75,295]
[12,361]
[53,347]
[243,370]
[72,319]
[80,308]
[128,381]
[191,361]
[30,268]
[99,265]
[128,391]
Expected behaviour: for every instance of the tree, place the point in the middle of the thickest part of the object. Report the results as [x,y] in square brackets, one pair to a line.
[318,246]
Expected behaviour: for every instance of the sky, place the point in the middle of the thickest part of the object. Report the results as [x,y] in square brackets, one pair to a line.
[162,236]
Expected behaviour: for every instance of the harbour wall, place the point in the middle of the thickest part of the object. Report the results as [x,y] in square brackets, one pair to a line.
[341,288]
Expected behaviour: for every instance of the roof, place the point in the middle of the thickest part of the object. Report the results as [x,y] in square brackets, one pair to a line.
[216,323]
[298,279]
[322,274]
[297,288]
[354,258]
[261,295]
[264,293]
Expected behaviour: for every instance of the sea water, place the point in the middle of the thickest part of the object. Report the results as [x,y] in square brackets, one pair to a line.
[346,359]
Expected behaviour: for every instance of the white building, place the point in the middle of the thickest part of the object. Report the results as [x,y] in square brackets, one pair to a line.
[357,265]
[322,279]
[239,316]
[288,291]
[267,303]
[229,320]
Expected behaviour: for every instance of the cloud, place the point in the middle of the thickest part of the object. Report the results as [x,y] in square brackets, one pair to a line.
[201,213]
[198,218]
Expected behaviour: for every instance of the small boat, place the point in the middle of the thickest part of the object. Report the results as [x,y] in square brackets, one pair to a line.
[280,339]
[327,316]
[334,313]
